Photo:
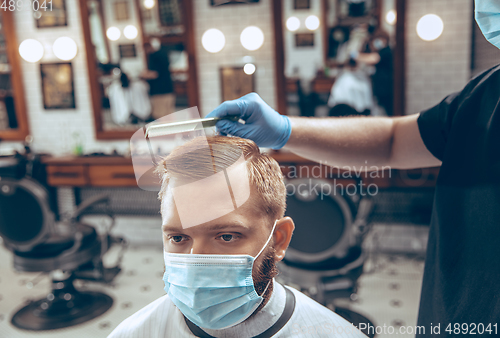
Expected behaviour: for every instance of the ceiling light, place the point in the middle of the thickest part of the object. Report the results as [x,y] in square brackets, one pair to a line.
[113,33]
[252,38]
[213,40]
[31,50]
[312,22]
[293,23]
[130,32]
[148,4]
[65,48]
[430,27]
[390,17]
[249,68]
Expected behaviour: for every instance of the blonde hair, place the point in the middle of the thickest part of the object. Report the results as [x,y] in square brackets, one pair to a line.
[194,161]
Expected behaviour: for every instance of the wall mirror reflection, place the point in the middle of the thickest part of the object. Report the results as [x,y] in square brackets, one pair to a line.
[343,57]
[141,62]
[13,122]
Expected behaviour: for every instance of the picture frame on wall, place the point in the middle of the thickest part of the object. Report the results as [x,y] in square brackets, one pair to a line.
[301,4]
[355,12]
[58,89]
[121,11]
[56,17]
[170,13]
[147,14]
[127,51]
[235,83]
[304,40]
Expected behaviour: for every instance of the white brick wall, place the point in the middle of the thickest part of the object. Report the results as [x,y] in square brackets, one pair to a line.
[437,68]
[231,20]
[131,66]
[53,129]
[307,59]
[434,69]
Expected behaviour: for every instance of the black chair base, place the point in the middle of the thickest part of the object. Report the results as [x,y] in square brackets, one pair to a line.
[356,319]
[64,307]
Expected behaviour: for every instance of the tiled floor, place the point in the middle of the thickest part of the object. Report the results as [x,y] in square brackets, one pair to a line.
[389,293]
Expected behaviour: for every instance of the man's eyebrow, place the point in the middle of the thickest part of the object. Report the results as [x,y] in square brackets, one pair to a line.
[226,226]
[167,228]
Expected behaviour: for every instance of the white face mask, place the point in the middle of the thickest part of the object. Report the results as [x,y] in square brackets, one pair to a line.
[213,291]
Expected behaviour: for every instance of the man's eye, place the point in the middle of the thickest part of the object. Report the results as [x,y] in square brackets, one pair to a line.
[176,239]
[228,237]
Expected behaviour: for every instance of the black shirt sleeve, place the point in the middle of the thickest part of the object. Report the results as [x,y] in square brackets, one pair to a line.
[435,123]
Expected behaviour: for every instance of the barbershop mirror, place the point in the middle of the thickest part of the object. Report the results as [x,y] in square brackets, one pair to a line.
[13,121]
[141,62]
[342,57]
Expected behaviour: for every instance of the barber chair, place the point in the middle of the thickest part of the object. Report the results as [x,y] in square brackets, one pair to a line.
[325,258]
[67,250]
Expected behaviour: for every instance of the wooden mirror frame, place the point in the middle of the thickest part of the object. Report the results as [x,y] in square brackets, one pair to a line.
[22,129]
[399,55]
[192,83]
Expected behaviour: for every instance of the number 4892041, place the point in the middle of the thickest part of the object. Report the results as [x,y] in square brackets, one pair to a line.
[17,5]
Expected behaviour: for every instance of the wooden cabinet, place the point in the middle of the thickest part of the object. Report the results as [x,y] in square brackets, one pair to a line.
[112,176]
[322,85]
[90,171]
[66,175]
[119,172]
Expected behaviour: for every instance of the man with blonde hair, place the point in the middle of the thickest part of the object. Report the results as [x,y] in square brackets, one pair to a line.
[219,275]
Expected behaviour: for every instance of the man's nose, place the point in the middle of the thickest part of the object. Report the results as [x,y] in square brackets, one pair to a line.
[199,247]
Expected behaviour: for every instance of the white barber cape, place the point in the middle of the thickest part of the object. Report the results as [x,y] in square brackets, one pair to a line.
[162,319]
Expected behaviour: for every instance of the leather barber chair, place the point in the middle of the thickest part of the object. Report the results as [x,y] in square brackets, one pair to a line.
[325,258]
[66,250]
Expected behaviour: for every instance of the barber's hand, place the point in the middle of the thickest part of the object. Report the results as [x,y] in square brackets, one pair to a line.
[266,127]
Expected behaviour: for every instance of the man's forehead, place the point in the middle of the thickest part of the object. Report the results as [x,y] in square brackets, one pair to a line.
[209,198]
[245,216]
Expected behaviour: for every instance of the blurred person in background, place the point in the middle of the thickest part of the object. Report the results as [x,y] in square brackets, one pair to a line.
[351,92]
[161,86]
[379,54]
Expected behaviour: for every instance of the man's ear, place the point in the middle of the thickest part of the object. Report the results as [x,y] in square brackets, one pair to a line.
[282,236]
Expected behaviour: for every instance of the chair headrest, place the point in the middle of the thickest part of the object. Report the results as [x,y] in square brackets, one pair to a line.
[25,217]
[12,166]
[322,217]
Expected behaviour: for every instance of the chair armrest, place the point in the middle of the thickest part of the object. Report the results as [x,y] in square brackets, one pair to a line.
[364,210]
[101,198]
[361,222]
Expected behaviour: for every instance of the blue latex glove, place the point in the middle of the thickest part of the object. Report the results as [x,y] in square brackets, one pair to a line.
[263,125]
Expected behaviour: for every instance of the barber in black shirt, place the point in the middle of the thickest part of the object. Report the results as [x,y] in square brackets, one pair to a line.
[461,284]
[161,85]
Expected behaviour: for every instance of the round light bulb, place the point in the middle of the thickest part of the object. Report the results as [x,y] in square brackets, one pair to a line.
[249,68]
[213,40]
[65,48]
[390,17]
[31,50]
[293,23]
[312,22]
[430,27]
[113,33]
[252,38]
[130,32]
[148,4]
